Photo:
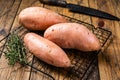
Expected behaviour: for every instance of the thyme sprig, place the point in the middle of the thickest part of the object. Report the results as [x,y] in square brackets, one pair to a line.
[16,52]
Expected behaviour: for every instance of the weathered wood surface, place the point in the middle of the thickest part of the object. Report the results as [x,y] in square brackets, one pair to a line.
[109,60]
[105,67]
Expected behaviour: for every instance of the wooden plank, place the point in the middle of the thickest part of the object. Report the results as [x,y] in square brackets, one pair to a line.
[17,72]
[9,9]
[102,5]
[109,60]
[7,15]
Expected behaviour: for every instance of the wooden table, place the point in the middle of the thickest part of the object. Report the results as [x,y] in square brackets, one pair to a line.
[106,66]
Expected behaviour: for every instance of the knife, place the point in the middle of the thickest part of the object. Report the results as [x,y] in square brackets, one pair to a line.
[81,9]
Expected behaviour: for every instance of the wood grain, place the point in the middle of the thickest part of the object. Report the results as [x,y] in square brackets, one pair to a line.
[8,11]
[109,60]
[16,72]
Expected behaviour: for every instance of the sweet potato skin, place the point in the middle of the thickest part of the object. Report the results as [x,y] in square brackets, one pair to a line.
[72,35]
[38,18]
[46,50]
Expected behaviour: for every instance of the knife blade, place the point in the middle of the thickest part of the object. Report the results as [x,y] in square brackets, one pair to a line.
[81,9]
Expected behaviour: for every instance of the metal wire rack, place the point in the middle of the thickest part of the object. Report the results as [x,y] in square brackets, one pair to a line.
[81,60]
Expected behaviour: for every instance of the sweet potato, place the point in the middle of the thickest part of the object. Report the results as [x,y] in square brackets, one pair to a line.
[72,35]
[38,18]
[46,50]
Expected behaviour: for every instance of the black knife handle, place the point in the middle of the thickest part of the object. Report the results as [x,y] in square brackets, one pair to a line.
[61,3]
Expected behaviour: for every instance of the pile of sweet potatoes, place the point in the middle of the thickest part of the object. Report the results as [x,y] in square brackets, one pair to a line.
[59,33]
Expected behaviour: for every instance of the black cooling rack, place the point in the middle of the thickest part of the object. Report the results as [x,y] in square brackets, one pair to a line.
[81,60]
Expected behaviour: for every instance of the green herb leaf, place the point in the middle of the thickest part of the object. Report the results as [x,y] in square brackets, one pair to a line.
[16,52]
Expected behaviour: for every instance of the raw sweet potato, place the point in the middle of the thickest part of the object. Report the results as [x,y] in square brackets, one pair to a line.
[38,18]
[46,50]
[72,35]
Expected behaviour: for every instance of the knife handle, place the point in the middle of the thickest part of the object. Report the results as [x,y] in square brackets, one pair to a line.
[61,3]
